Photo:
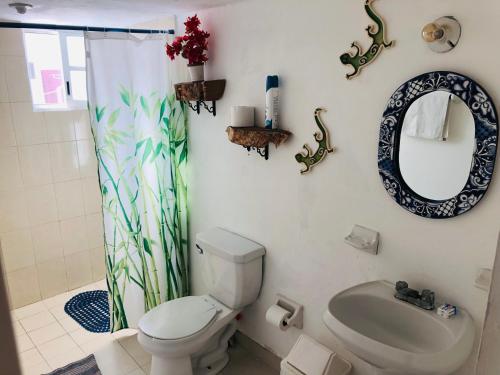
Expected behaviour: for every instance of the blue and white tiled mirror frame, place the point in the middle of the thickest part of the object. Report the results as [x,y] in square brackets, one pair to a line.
[485,149]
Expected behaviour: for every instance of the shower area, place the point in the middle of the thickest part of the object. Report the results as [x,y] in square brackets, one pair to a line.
[51,225]
[93,230]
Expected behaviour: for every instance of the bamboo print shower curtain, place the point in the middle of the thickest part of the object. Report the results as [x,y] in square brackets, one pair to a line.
[141,144]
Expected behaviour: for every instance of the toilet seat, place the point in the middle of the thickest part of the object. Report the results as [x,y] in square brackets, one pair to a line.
[179,318]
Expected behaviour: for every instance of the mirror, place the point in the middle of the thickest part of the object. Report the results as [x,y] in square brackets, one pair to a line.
[438,144]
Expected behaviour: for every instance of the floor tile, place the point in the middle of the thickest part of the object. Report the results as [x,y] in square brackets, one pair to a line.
[58,312]
[135,350]
[100,285]
[31,357]
[36,369]
[46,334]
[56,347]
[147,368]
[55,301]
[63,341]
[65,357]
[24,343]
[137,372]
[29,310]
[18,329]
[81,336]
[96,343]
[37,321]
[244,363]
[69,324]
[114,360]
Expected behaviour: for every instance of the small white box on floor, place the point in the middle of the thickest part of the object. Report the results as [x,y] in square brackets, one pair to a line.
[309,357]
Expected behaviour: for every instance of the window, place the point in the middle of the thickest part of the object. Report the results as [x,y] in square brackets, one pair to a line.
[56,69]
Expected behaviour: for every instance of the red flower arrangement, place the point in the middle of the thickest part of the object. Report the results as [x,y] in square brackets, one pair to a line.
[193,45]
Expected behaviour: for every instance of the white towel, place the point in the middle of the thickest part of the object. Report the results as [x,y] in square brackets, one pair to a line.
[427,117]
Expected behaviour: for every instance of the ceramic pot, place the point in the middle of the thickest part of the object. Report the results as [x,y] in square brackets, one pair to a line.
[196,72]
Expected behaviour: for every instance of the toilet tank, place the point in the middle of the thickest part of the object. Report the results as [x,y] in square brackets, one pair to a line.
[232,266]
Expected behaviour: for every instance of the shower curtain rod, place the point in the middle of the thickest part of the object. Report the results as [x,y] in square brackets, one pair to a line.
[20,25]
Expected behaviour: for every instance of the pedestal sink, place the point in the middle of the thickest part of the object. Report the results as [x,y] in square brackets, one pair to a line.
[395,336]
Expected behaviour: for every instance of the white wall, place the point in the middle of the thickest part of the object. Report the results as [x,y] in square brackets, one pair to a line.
[489,361]
[302,220]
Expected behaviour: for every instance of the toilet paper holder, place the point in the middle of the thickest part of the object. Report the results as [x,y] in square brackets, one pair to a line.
[296,309]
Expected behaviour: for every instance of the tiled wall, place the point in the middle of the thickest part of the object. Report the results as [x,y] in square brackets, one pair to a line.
[50,221]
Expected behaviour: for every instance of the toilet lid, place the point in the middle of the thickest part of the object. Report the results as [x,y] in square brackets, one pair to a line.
[178,318]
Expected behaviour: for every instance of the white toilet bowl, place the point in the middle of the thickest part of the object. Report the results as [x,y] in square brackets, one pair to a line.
[178,334]
[190,335]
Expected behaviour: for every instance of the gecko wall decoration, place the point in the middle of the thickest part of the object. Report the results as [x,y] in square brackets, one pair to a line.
[376,32]
[308,158]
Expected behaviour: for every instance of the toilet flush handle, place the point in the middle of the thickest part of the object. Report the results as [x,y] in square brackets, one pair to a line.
[200,250]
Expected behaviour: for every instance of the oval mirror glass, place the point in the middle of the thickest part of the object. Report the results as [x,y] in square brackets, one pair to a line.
[436,145]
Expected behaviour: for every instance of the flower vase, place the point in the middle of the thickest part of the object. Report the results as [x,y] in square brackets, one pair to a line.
[196,72]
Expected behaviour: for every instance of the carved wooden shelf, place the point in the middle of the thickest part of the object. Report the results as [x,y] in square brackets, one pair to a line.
[257,138]
[200,92]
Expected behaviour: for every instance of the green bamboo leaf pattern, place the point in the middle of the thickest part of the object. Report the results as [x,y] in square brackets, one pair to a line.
[141,148]
[113,117]
[145,106]
[162,109]
[125,95]
[147,150]
[99,112]
[147,246]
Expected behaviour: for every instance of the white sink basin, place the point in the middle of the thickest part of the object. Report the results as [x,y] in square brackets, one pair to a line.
[396,336]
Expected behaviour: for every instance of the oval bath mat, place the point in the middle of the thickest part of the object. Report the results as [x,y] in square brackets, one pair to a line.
[90,310]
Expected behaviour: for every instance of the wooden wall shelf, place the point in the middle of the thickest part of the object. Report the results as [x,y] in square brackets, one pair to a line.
[257,138]
[200,92]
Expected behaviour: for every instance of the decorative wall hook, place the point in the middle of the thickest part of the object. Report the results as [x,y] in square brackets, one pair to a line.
[376,32]
[308,158]
[443,34]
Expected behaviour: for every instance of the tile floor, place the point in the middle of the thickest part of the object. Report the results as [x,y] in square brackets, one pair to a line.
[47,338]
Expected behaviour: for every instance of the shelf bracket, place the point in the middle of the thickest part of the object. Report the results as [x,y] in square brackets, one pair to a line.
[195,107]
[264,151]
[212,109]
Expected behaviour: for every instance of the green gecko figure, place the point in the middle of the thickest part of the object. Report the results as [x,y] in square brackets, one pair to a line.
[377,33]
[309,158]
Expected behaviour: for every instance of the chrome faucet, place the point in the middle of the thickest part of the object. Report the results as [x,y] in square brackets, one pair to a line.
[424,300]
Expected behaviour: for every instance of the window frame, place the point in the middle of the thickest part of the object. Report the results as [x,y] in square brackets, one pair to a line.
[71,104]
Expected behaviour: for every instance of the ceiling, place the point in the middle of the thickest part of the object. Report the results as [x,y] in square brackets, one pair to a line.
[115,13]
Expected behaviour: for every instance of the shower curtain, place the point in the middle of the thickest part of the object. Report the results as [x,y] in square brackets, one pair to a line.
[141,145]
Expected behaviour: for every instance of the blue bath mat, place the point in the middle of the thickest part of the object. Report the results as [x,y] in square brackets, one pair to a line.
[90,310]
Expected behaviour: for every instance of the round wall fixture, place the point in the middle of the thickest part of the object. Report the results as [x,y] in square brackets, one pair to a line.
[443,34]
[21,8]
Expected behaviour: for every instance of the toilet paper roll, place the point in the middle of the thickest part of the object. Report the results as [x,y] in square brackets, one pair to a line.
[242,116]
[277,316]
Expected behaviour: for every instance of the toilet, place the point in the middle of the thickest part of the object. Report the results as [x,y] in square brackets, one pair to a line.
[189,335]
